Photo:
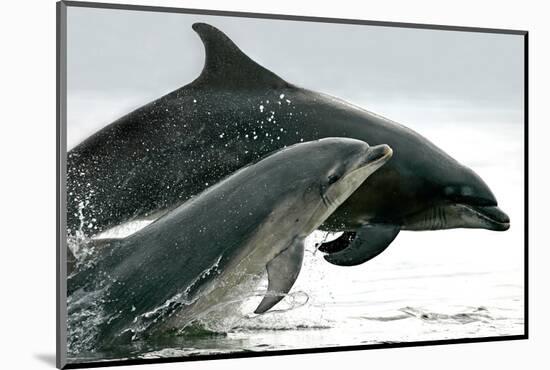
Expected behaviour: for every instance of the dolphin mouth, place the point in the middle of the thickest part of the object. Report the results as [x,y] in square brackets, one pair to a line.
[375,157]
[371,160]
[458,215]
[379,153]
[494,216]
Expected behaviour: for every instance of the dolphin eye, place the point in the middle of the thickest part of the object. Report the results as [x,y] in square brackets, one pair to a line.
[332,179]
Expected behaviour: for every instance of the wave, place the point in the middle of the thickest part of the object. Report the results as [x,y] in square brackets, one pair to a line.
[477,314]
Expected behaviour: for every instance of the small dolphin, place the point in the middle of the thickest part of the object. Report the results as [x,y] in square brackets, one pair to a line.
[235,112]
[194,256]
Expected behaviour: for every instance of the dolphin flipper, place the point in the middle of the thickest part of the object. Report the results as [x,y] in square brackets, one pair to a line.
[282,272]
[369,242]
[339,243]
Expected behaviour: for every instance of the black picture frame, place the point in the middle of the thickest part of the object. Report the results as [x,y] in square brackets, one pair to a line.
[61,146]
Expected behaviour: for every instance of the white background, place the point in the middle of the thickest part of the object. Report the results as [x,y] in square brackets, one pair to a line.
[27,119]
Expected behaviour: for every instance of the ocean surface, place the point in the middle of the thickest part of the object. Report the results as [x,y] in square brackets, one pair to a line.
[428,285]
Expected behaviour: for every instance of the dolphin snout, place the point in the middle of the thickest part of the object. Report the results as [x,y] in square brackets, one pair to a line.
[378,152]
[501,221]
[489,217]
[497,214]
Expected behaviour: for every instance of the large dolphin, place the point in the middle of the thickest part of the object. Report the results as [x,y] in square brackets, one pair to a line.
[194,256]
[236,111]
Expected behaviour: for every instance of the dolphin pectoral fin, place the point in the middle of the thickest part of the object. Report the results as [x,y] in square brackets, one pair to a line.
[338,244]
[282,272]
[369,242]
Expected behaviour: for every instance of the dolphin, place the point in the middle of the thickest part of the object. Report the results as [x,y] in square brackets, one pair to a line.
[194,256]
[236,111]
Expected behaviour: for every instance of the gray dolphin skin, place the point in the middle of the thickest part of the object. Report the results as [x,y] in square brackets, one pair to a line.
[194,256]
[236,111]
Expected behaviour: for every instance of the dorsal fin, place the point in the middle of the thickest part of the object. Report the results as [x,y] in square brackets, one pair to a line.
[226,65]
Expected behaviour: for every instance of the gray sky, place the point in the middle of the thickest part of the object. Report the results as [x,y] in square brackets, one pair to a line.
[118,51]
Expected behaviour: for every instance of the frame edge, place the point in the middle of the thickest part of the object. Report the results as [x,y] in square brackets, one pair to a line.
[61,151]
[61,148]
[289,17]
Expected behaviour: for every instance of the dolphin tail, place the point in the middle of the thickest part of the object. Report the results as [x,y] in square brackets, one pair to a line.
[282,272]
[369,242]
